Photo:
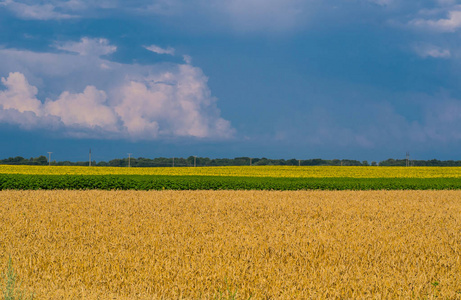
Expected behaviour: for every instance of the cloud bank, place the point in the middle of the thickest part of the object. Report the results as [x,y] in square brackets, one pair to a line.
[241,15]
[113,100]
[246,15]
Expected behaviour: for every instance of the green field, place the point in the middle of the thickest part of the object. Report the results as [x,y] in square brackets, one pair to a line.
[171,182]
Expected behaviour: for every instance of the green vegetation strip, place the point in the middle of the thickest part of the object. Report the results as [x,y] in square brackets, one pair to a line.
[160,182]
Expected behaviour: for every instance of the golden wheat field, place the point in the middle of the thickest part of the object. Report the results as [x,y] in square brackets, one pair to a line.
[211,244]
[247,171]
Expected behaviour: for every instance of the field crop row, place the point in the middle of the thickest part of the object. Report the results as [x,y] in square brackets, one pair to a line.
[139,182]
[258,244]
[247,171]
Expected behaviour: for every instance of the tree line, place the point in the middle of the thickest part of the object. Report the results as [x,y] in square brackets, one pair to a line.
[237,161]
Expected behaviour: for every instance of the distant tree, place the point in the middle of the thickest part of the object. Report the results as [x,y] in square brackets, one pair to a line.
[314,162]
[241,161]
[117,163]
[255,160]
[393,162]
[143,162]
[262,162]
[335,162]
[237,161]
[41,160]
[292,162]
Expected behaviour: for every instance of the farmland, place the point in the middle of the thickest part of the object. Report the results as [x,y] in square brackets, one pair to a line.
[230,178]
[246,171]
[261,232]
[208,244]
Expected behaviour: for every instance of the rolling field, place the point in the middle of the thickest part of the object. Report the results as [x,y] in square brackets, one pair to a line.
[211,244]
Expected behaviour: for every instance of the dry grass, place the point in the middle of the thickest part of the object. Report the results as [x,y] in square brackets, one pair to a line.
[270,245]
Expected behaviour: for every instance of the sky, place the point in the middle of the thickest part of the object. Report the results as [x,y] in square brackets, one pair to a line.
[356,79]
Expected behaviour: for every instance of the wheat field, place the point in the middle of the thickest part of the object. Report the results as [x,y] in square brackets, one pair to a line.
[234,244]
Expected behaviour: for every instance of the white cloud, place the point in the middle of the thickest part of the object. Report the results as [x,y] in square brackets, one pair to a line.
[114,101]
[87,109]
[35,11]
[449,24]
[88,46]
[19,95]
[425,51]
[172,104]
[160,50]
[19,105]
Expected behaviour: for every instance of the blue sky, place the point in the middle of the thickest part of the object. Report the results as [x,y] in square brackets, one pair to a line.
[359,79]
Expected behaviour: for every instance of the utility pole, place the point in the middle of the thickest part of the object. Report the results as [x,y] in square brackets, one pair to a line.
[299,162]
[49,158]
[89,162]
[407,160]
[250,161]
[173,162]
[129,159]
[195,160]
